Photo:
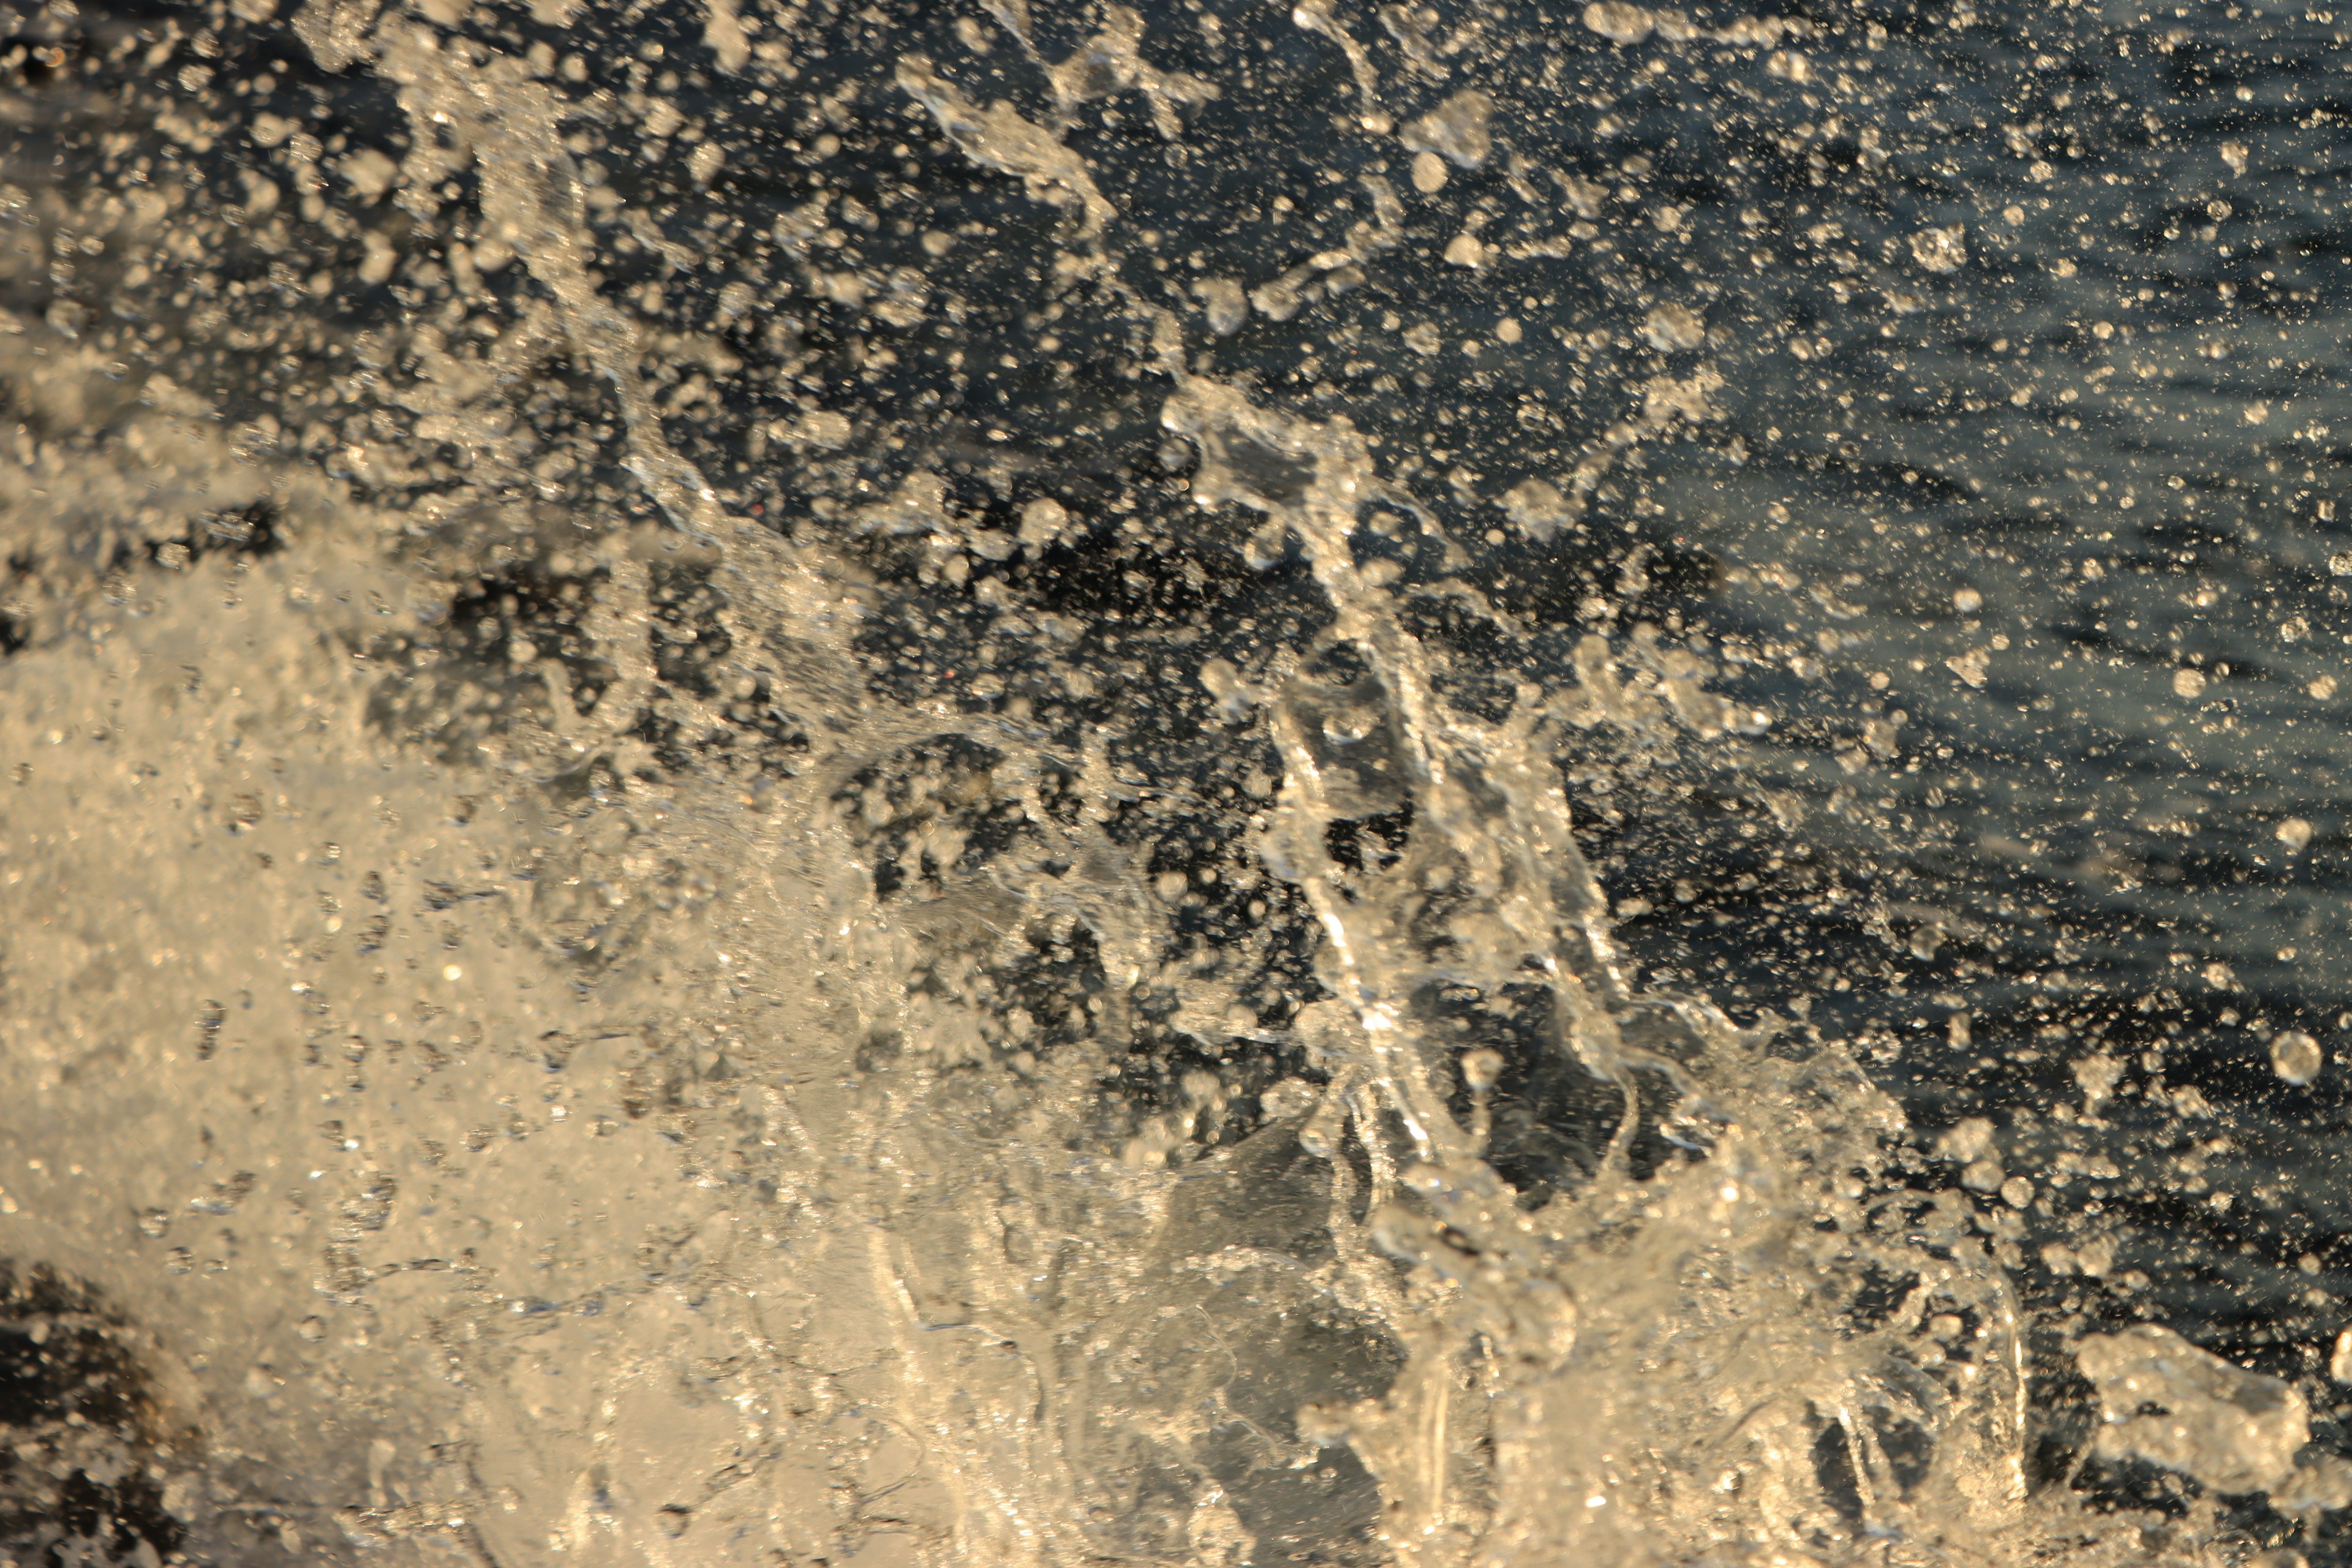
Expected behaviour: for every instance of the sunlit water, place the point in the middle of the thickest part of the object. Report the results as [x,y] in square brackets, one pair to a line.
[1035,783]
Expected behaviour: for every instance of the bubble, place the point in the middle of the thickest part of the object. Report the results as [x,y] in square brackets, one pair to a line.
[2295,1056]
[1537,508]
[1943,249]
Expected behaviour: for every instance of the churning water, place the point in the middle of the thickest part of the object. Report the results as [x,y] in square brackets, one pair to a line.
[1028,782]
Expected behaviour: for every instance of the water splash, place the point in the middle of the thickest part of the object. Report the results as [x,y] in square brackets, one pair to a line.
[696,1032]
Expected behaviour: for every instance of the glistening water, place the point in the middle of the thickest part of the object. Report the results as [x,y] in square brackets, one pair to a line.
[1021,783]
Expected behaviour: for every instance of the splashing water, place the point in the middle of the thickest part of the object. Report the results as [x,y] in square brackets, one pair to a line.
[782,793]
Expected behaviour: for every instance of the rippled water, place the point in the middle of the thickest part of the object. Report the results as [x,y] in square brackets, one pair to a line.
[1207,783]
